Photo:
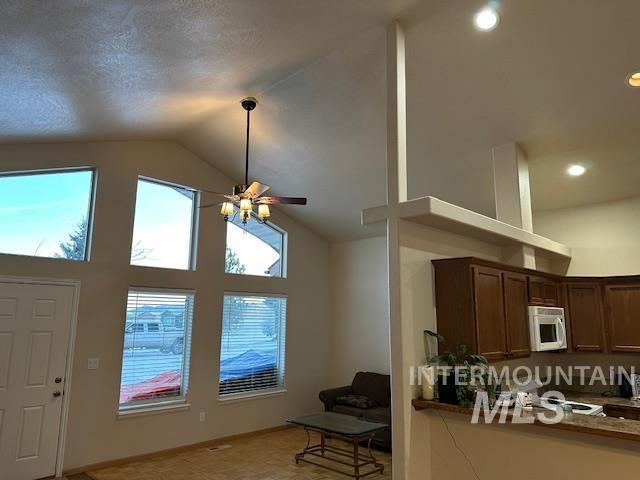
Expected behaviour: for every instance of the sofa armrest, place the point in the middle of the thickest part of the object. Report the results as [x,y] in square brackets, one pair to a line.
[328,397]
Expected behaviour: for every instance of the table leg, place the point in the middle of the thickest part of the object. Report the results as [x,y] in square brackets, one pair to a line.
[322,440]
[356,458]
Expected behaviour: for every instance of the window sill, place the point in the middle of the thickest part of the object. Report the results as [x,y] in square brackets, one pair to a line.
[244,397]
[153,410]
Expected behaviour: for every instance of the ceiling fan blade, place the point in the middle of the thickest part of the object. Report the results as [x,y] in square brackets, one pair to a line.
[214,193]
[282,201]
[255,190]
[209,205]
[230,198]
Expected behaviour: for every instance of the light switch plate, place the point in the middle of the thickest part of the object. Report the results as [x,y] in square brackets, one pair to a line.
[203,416]
[93,363]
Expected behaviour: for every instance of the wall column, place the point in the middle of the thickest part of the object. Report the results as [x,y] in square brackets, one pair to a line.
[397,192]
[513,199]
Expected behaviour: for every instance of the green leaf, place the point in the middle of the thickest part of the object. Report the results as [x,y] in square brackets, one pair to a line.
[439,337]
[451,359]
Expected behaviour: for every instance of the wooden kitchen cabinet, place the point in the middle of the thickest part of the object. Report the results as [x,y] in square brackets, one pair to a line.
[489,313]
[516,314]
[586,322]
[482,307]
[623,317]
[543,291]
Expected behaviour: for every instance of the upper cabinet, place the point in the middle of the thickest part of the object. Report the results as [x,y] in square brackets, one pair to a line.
[623,316]
[585,317]
[482,307]
[543,291]
[485,306]
[490,324]
[516,314]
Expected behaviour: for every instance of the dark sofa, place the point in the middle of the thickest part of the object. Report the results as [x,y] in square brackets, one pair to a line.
[377,388]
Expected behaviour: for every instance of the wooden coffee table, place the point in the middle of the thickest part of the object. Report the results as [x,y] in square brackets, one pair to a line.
[353,430]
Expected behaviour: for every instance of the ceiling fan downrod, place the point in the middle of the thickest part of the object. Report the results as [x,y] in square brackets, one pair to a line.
[248,104]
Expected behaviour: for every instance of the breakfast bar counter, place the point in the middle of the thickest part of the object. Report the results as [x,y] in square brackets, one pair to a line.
[607,426]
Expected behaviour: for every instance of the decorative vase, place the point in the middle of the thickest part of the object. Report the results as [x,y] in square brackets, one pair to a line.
[428,373]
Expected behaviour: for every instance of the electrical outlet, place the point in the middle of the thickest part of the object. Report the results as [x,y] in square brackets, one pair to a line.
[93,363]
[203,416]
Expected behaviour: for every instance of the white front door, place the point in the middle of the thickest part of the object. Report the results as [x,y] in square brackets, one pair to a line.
[34,336]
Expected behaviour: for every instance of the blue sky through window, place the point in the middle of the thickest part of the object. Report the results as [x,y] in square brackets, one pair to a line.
[39,211]
[162,232]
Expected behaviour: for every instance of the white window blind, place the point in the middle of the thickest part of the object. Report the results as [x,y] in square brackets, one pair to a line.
[252,347]
[157,339]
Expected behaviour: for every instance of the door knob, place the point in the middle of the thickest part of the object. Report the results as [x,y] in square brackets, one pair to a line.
[57,393]
[58,380]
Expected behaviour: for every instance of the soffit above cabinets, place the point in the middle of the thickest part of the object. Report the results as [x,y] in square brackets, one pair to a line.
[435,213]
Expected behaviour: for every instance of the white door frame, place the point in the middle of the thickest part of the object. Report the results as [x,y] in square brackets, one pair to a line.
[70,350]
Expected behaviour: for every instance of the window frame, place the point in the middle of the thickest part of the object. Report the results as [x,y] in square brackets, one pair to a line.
[90,207]
[159,404]
[282,352]
[283,250]
[194,224]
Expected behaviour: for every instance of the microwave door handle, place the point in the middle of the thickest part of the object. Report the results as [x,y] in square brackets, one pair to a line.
[564,331]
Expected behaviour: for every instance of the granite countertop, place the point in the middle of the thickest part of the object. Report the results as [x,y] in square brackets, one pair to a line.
[591,424]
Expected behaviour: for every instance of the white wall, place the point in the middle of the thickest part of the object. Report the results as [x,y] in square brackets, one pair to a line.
[360,309]
[604,237]
[95,434]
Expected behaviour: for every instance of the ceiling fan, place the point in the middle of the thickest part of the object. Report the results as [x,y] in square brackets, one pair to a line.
[246,195]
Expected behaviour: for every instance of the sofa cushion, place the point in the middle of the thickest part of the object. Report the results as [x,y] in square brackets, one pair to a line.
[347,410]
[374,386]
[358,401]
[379,414]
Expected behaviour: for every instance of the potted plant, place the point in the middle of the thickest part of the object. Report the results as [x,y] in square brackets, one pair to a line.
[461,360]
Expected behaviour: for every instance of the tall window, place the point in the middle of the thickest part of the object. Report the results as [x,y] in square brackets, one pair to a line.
[164,226]
[157,339]
[253,344]
[255,248]
[46,213]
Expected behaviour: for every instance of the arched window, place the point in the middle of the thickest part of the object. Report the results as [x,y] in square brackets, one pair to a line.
[255,248]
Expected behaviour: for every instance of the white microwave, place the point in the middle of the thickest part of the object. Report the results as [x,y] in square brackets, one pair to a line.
[547,328]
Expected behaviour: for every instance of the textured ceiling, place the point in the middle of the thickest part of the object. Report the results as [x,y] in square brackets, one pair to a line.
[549,77]
[74,69]
[319,133]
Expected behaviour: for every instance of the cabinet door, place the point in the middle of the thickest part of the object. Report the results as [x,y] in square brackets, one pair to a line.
[516,314]
[587,326]
[623,317]
[543,291]
[489,313]
[536,291]
[550,293]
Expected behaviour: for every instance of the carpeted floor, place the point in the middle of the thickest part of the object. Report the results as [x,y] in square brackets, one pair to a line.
[267,456]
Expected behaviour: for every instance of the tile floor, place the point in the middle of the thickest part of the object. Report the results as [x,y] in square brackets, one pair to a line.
[267,456]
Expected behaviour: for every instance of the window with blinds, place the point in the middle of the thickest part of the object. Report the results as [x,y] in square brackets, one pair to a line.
[252,347]
[157,339]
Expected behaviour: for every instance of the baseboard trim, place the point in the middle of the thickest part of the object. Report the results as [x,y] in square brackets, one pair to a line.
[146,456]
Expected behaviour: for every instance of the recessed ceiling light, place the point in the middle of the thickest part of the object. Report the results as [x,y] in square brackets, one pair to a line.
[486,19]
[633,80]
[576,170]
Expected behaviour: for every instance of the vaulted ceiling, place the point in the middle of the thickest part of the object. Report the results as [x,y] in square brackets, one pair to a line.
[151,68]
[549,77]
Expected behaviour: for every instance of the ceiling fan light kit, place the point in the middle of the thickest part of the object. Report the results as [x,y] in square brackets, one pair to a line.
[246,196]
